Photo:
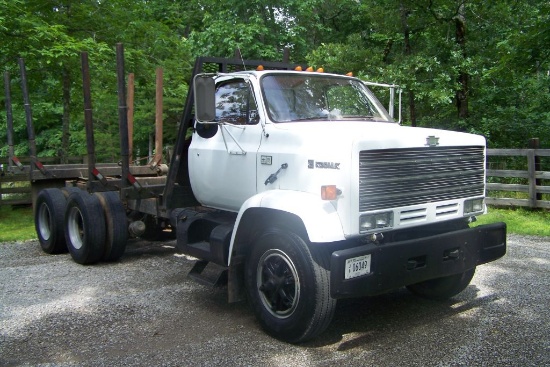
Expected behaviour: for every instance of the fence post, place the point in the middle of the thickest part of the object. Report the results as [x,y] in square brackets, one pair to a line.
[534,143]
[531,173]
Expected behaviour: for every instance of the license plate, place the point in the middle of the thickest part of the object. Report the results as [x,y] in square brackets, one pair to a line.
[357,266]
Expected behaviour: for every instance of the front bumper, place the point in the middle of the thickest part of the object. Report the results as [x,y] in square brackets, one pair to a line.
[397,264]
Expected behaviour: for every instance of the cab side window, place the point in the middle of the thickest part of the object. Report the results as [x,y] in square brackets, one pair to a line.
[235,103]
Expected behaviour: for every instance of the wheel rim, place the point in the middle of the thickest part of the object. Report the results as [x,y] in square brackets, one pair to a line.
[278,283]
[44,222]
[75,228]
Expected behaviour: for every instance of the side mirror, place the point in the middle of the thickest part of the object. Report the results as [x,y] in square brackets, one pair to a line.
[205,98]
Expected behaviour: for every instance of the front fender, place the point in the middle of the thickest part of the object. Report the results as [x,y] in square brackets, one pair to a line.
[319,217]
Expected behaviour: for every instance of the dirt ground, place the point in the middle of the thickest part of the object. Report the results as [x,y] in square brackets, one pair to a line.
[145,311]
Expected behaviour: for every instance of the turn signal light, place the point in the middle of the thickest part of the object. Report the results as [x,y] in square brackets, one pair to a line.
[330,192]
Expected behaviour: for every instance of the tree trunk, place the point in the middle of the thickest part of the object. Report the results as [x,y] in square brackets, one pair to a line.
[406,35]
[463,77]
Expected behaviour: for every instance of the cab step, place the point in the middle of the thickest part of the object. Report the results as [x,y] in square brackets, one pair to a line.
[214,276]
[206,236]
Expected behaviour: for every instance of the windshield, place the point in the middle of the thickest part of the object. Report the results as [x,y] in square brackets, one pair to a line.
[303,97]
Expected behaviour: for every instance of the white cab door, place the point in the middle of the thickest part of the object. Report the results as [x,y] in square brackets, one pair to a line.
[222,156]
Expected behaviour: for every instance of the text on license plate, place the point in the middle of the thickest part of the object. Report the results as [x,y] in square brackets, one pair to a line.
[357,266]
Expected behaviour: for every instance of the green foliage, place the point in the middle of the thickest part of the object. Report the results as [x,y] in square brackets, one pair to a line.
[504,55]
[50,36]
[519,221]
[506,59]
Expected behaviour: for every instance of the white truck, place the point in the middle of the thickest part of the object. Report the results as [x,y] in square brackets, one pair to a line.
[304,190]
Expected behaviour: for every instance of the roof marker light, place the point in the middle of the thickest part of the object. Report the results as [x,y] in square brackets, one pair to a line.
[298,68]
[309,69]
[260,68]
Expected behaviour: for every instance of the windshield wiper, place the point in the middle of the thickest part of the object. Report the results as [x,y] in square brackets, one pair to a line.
[358,117]
[324,117]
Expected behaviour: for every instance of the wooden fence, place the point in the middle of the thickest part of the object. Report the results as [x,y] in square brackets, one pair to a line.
[531,188]
[526,187]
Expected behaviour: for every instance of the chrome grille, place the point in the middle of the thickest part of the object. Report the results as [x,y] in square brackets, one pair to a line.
[400,177]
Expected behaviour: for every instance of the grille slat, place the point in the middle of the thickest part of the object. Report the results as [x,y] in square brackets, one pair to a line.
[402,177]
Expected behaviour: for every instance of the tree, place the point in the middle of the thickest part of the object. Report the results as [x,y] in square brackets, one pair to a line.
[50,36]
[466,65]
[493,70]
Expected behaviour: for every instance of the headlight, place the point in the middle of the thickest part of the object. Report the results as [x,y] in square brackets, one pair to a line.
[474,206]
[371,222]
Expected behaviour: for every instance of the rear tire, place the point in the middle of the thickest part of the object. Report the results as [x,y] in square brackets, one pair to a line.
[443,288]
[68,190]
[288,287]
[48,220]
[84,228]
[116,225]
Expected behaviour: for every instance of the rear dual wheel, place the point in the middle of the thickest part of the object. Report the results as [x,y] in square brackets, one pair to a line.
[95,227]
[49,218]
[91,227]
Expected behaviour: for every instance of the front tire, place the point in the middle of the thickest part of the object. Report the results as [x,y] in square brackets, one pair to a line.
[289,287]
[443,288]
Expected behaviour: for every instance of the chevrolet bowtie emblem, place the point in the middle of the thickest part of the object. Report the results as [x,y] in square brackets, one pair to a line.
[432,141]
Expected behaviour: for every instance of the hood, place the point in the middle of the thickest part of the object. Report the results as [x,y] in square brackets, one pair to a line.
[369,135]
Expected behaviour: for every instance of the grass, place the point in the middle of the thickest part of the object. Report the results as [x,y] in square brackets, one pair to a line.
[17,224]
[519,221]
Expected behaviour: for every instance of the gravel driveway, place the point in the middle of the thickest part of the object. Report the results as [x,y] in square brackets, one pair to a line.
[144,311]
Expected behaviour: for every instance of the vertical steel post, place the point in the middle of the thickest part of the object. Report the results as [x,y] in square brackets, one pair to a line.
[130,103]
[28,117]
[392,101]
[9,116]
[122,116]
[90,143]
[158,120]
[187,121]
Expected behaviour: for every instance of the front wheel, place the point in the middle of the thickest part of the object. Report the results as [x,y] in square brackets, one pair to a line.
[444,287]
[288,287]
